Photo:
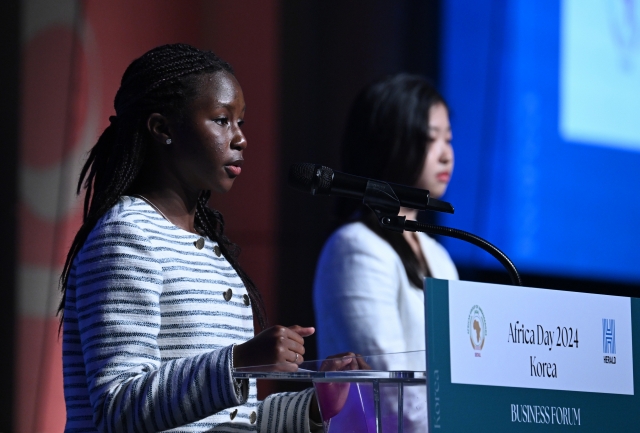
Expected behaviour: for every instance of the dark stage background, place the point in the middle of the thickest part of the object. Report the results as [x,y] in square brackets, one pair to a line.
[330,52]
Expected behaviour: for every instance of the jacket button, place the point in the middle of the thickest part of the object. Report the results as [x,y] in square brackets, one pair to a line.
[233,414]
[246,299]
[227,295]
[253,417]
[199,243]
[216,250]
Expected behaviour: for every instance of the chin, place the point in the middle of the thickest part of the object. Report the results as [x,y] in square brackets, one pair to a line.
[220,190]
[222,187]
[437,193]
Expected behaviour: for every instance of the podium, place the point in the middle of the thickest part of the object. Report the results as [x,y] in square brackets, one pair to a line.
[522,359]
[498,358]
[361,401]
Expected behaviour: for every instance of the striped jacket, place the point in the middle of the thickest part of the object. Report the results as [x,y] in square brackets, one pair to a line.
[149,327]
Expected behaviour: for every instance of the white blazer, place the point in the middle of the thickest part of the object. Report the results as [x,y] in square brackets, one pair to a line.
[365,304]
[363,299]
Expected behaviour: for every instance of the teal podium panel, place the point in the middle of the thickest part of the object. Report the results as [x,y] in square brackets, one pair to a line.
[507,358]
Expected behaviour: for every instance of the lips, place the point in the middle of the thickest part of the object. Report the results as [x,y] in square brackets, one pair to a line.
[444,176]
[234,168]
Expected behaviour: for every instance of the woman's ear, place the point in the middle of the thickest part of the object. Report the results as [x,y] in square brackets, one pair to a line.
[158,127]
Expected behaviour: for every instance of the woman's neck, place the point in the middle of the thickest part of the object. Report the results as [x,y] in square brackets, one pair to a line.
[174,207]
[410,214]
[413,240]
[175,202]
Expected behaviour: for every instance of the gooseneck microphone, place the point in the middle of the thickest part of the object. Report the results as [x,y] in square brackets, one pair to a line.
[385,200]
[320,180]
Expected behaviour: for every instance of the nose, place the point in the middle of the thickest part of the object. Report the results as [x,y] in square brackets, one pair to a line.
[239,141]
[446,154]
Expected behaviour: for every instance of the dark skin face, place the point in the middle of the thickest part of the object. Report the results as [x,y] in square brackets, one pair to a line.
[207,145]
[205,153]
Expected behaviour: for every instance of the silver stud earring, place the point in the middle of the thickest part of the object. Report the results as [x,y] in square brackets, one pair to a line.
[168,141]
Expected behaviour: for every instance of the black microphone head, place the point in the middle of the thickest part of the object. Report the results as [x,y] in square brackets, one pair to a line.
[313,178]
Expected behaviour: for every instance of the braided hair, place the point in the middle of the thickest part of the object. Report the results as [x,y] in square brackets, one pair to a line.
[163,80]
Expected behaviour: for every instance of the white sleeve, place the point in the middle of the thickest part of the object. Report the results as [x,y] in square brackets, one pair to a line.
[356,293]
[356,297]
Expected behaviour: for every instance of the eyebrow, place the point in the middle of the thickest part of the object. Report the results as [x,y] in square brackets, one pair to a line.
[228,105]
[435,128]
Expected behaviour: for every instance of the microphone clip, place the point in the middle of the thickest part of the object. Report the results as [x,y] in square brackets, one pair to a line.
[382,200]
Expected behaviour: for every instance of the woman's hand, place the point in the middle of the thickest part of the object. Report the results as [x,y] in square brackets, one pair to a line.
[332,396]
[276,345]
[344,362]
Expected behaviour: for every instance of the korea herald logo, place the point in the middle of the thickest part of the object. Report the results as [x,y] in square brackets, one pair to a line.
[609,340]
[477,329]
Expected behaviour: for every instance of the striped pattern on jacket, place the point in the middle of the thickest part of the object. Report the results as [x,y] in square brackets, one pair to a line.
[148,335]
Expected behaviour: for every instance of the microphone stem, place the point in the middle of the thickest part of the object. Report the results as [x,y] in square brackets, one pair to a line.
[433,229]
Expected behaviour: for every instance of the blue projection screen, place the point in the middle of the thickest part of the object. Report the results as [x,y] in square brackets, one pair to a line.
[545,109]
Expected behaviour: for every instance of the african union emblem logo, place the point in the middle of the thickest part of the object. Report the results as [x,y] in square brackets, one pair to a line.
[477,328]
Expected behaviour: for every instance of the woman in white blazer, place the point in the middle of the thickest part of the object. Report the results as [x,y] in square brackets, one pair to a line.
[368,289]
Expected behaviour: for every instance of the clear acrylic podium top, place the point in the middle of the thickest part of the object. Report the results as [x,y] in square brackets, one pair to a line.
[362,394]
[407,367]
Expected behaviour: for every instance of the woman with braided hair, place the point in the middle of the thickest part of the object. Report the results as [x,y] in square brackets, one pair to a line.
[156,309]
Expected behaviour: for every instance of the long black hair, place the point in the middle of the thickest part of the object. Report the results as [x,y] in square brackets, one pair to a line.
[386,138]
[163,80]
